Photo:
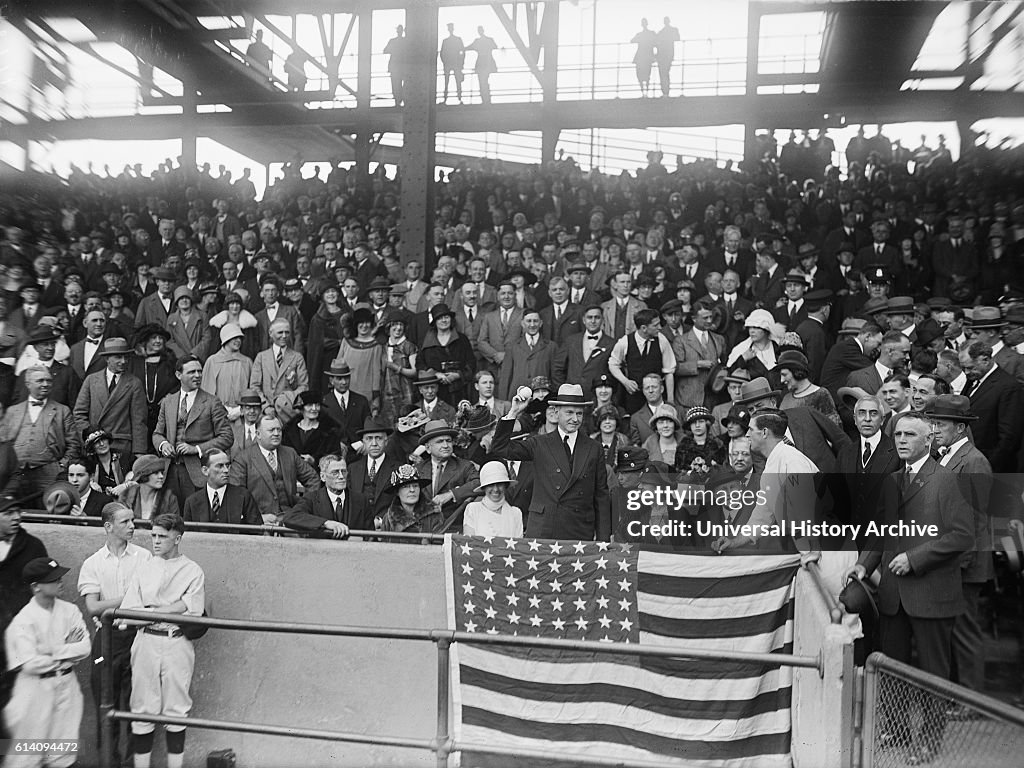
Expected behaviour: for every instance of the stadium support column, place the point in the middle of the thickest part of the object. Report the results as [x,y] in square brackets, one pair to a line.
[549,36]
[361,147]
[416,229]
[188,122]
[753,53]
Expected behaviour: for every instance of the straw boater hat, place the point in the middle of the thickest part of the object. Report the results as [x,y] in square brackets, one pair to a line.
[569,394]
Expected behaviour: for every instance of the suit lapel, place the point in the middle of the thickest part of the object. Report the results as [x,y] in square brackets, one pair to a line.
[917,481]
[194,413]
[558,449]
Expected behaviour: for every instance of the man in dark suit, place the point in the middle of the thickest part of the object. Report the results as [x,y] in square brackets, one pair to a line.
[156,307]
[582,358]
[270,471]
[997,402]
[580,292]
[348,409]
[66,383]
[115,402]
[333,510]
[920,593]
[560,319]
[84,357]
[735,308]
[367,267]
[951,417]
[893,357]
[879,252]
[453,481]
[731,256]
[794,311]
[858,340]
[27,315]
[863,465]
[812,331]
[570,499]
[190,424]
[217,501]
[532,355]
[369,473]
[270,292]
[766,286]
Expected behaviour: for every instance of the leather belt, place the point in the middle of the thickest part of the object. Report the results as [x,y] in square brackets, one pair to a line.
[56,673]
[174,632]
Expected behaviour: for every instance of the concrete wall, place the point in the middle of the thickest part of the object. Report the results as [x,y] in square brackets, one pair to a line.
[365,686]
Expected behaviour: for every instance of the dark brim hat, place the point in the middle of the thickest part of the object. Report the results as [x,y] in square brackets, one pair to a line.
[93,434]
[631,459]
[858,597]
[438,311]
[373,425]
[379,284]
[250,397]
[578,266]
[43,334]
[436,428]
[950,408]
[424,378]
[738,414]
[146,332]
[528,277]
[720,476]
[406,475]
[308,398]
[162,273]
[756,390]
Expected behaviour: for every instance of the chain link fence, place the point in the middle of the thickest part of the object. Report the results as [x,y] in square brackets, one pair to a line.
[914,718]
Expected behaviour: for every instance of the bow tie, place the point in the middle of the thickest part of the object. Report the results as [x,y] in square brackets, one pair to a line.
[593,337]
[271,306]
[943,450]
[36,403]
[91,341]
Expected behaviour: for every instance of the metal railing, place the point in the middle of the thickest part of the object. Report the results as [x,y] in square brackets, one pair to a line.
[912,717]
[240,528]
[443,744]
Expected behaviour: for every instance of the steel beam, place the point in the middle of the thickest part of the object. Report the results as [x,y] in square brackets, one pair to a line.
[549,43]
[362,111]
[416,227]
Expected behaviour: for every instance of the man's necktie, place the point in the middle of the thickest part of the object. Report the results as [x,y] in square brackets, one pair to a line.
[280,357]
[469,314]
[577,296]
[373,470]
[504,319]
[339,509]
[36,403]
[558,314]
[729,306]
[183,409]
[438,469]
[272,461]
[512,474]
[215,506]
[867,454]
[647,348]
[113,383]
[568,450]
[878,249]
[792,312]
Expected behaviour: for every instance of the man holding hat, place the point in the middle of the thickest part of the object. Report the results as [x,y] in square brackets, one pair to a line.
[453,481]
[157,307]
[348,409]
[115,401]
[43,432]
[43,642]
[66,383]
[279,372]
[570,499]
[951,418]
[226,373]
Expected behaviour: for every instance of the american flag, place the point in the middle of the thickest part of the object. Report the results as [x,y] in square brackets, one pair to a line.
[676,711]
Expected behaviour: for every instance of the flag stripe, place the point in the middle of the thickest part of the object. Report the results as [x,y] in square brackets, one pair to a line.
[713,586]
[693,749]
[742,626]
[627,696]
[604,670]
[711,609]
[712,566]
[769,642]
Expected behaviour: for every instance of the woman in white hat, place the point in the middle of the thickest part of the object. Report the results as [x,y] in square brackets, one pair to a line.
[493,515]
[758,352]
[226,373]
[234,312]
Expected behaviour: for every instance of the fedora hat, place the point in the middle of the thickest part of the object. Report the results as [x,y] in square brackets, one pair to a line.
[986,317]
[873,306]
[901,305]
[60,498]
[1015,315]
[950,408]
[114,346]
[818,298]
[372,425]
[852,326]
[807,249]
[436,428]
[578,266]
[850,395]
[424,378]
[755,390]
[796,276]
[479,419]
[231,331]
[163,273]
[250,397]
[379,284]
[338,369]
[569,394]
[739,376]
[405,475]
[43,334]
[492,472]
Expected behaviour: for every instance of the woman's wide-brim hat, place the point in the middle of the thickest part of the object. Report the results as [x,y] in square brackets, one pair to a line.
[438,311]
[760,318]
[570,394]
[490,473]
[406,475]
[664,411]
[147,465]
[436,428]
